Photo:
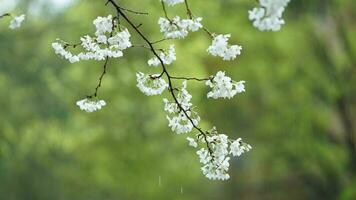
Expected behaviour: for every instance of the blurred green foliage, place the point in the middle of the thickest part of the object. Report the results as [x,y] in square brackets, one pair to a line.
[298,111]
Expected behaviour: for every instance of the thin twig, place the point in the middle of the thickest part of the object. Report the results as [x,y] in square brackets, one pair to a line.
[5,15]
[191,78]
[189,13]
[191,16]
[95,94]
[159,41]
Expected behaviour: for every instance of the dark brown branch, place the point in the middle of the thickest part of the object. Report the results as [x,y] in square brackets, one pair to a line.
[171,88]
[191,78]
[95,94]
[145,47]
[189,12]
[5,15]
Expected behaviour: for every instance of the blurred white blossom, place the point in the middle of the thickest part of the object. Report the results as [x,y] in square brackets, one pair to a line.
[268,17]
[172,2]
[16,21]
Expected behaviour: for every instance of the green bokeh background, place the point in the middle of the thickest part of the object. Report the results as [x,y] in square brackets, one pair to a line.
[298,111]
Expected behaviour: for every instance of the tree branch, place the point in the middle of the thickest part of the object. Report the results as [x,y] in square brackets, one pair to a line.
[169,77]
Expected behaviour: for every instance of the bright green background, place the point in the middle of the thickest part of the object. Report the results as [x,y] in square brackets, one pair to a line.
[298,112]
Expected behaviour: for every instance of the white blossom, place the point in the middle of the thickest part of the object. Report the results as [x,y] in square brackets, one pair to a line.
[192,142]
[16,21]
[179,28]
[237,147]
[268,17]
[167,58]
[223,87]
[59,50]
[121,39]
[103,25]
[172,2]
[221,48]
[150,84]
[88,105]
[101,39]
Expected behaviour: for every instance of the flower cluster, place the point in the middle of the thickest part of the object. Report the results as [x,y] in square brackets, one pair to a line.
[107,43]
[16,21]
[215,158]
[172,2]
[221,48]
[268,17]
[150,84]
[110,40]
[181,118]
[167,58]
[223,87]
[88,105]
[178,28]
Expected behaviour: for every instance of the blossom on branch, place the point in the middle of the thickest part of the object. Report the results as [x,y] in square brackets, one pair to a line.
[221,48]
[223,87]
[181,118]
[167,58]
[88,105]
[150,84]
[107,42]
[215,158]
[178,28]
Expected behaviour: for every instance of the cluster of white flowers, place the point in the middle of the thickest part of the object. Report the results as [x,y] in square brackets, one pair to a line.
[150,84]
[215,158]
[106,43]
[223,87]
[167,58]
[88,105]
[16,21]
[178,28]
[110,40]
[172,2]
[221,48]
[268,17]
[178,120]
